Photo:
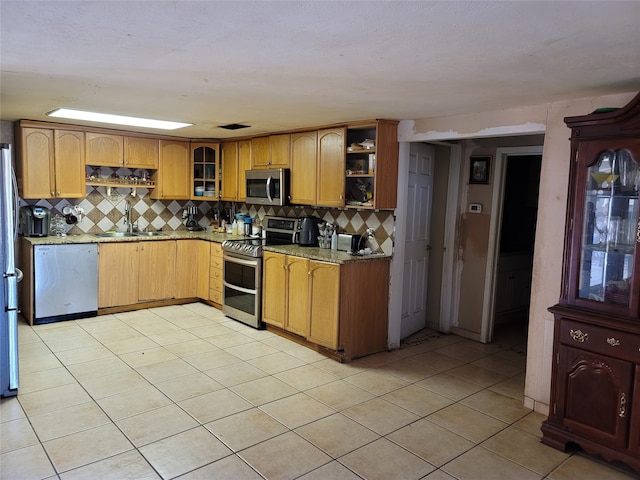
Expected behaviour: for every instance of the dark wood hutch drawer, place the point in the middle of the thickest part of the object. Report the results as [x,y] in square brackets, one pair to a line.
[606,341]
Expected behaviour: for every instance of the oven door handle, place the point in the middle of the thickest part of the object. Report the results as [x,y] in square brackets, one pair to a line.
[240,289]
[241,261]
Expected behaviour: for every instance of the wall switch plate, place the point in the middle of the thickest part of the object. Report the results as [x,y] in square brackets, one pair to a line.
[475,208]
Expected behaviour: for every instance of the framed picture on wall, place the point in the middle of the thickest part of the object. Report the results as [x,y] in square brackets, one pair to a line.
[479,169]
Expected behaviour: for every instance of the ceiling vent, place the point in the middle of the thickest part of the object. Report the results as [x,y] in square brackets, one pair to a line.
[234,126]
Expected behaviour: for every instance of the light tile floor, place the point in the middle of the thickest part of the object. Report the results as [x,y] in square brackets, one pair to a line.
[183,391]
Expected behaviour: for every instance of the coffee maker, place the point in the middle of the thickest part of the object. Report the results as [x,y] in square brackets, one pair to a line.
[34,221]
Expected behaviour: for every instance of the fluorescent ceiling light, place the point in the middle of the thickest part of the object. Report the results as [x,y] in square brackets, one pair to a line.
[116,119]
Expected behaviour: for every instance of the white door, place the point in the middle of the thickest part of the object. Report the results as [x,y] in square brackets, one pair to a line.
[416,246]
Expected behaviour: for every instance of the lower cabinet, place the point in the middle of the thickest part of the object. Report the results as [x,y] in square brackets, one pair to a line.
[132,272]
[342,307]
[216,274]
[595,395]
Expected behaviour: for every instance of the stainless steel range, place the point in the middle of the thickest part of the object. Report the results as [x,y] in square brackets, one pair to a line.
[242,261]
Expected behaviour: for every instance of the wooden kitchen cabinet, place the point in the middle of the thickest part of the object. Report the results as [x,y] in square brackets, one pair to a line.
[330,167]
[173,177]
[50,163]
[595,387]
[304,147]
[105,150]
[118,267]
[157,270]
[216,275]
[205,170]
[271,152]
[324,296]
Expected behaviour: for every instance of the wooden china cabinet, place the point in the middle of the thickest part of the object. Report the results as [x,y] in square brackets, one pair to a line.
[595,389]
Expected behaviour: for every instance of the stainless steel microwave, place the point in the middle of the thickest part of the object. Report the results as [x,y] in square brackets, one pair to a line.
[268,187]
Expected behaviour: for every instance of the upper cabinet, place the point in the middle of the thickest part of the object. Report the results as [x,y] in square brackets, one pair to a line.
[50,163]
[109,150]
[271,152]
[371,173]
[205,170]
[173,177]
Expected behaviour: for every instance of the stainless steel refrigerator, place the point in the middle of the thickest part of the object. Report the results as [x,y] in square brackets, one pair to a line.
[10,277]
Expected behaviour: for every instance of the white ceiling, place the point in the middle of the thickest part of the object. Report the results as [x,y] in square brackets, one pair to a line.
[279,65]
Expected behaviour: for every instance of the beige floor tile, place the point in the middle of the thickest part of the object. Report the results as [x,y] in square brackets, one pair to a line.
[10,409]
[29,463]
[98,368]
[531,423]
[376,382]
[251,350]
[189,386]
[212,359]
[408,370]
[337,435]
[437,361]
[380,416]
[32,382]
[85,447]
[268,460]
[498,406]
[331,471]
[467,423]
[184,452]
[235,373]
[245,429]
[263,390]
[215,405]
[306,377]
[160,372]
[339,394]
[461,351]
[66,421]
[133,402]
[528,451]
[114,383]
[583,467]
[148,357]
[479,375]
[52,399]
[32,349]
[418,400]
[17,434]
[499,364]
[383,459]
[276,362]
[192,347]
[38,363]
[481,464]
[229,468]
[297,410]
[431,442]
[130,465]
[512,387]
[156,424]
[229,340]
[452,387]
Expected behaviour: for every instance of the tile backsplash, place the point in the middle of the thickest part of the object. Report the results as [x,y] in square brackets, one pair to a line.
[104,212]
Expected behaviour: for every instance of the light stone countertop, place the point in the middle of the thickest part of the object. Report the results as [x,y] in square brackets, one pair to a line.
[313,253]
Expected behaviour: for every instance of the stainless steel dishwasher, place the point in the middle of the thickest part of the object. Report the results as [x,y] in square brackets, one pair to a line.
[66,282]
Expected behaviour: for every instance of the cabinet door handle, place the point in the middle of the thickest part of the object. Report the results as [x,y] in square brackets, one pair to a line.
[614,342]
[579,335]
[623,405]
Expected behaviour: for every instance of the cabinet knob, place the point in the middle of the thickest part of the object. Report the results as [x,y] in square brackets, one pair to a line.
[579,335]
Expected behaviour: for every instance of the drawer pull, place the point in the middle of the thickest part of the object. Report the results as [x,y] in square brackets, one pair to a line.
[623,405]
[614,342]
[579,335]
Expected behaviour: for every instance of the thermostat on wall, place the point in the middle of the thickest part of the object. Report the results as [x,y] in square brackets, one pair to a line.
[475,208]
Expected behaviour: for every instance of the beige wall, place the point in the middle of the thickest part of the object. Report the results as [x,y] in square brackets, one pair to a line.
[547,119]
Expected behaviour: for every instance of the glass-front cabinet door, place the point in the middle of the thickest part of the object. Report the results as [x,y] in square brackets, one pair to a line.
[608,230]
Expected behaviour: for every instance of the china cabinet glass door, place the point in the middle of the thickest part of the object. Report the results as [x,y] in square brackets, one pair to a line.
[610,227]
